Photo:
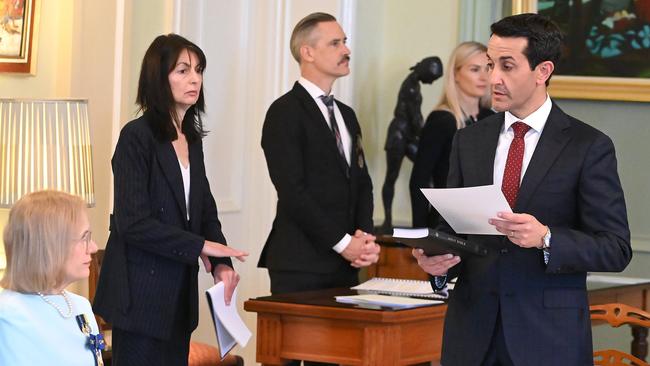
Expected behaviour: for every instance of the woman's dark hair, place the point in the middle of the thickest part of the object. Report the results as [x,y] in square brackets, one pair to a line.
[544,37]
[155,94]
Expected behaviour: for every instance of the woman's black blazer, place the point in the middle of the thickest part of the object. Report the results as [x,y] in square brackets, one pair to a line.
[151,263]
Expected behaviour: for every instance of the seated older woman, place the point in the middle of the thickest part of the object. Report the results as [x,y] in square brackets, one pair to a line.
[48,245]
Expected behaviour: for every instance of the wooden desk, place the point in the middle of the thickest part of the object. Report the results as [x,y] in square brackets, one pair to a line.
[396,261]
[312,326]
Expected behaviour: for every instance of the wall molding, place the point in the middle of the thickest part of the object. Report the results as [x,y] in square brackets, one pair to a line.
[118,81]
[344,87]
[226,88]
[641,243]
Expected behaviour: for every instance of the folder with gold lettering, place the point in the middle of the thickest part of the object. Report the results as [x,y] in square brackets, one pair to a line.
[435,242]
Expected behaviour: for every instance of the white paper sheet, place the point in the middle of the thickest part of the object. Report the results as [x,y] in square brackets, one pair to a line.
[229,326]
[467,210]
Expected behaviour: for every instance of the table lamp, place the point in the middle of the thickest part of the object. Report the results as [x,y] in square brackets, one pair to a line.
[44,144]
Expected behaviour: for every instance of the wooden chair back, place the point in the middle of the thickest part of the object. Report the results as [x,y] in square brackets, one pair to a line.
[617,315]
[95,266]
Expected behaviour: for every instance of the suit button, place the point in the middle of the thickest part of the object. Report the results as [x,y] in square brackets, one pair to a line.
[174,251]
[152,272]
[504,251]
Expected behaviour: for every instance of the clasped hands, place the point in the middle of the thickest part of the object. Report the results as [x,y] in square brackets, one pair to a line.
[362,250]
[521,229]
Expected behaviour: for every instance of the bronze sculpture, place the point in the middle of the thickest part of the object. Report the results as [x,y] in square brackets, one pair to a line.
[404,129]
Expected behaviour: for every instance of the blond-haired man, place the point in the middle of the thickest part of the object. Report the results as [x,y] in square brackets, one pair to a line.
[312,145]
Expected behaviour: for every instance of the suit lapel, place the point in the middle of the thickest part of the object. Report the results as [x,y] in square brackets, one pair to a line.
[321,124]
[554,138]
[172,172]
[486,147]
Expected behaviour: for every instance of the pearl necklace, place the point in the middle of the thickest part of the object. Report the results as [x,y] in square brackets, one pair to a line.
[55,306]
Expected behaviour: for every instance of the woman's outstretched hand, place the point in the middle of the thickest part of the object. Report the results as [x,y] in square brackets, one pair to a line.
[212,249]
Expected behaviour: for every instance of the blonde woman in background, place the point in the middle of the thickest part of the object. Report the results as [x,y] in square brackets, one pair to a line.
[48,245]
[464,101]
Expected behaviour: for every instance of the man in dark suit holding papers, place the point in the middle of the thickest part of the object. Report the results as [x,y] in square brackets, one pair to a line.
[525,303]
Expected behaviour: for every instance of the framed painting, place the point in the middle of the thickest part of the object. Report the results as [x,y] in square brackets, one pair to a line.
[17,36]
[607,47]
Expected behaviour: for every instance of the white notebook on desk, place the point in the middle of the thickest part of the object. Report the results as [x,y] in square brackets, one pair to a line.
[400,287]
[395,302]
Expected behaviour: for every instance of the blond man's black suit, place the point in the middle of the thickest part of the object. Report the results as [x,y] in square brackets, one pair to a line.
[320,199]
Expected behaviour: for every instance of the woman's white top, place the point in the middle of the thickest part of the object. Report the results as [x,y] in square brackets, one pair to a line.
[185,172]
[32,332]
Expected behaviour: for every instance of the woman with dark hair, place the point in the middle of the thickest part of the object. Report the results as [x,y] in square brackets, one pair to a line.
[164,215]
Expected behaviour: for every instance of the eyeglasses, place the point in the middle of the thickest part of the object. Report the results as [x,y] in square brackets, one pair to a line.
[86,239]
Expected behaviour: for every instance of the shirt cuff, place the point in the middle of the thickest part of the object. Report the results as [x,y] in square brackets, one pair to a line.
[342,244]
[440,281]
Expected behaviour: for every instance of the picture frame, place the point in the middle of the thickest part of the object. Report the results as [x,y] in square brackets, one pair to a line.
[18,22]
[605,87]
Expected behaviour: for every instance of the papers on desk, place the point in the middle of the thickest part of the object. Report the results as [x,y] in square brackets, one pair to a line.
[400,287]
[395,302]
[228,325]
[467,210]
[616,280]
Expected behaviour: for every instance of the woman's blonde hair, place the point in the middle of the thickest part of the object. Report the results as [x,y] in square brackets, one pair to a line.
[38,239]
[450,100]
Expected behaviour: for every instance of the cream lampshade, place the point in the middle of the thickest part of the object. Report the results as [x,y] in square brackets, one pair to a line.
[44,144]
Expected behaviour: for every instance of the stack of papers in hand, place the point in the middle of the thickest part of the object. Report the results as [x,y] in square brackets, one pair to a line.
[395,302]
[229,326]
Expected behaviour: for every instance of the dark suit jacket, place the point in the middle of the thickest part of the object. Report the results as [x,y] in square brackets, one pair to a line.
[431,164]
[317,202]
[152,249]
[571,185]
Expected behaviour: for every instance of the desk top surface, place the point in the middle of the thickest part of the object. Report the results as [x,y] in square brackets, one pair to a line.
[322,298]
[323,305]
[595,283]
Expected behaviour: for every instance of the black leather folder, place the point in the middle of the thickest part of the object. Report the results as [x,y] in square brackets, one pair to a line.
[438,243]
